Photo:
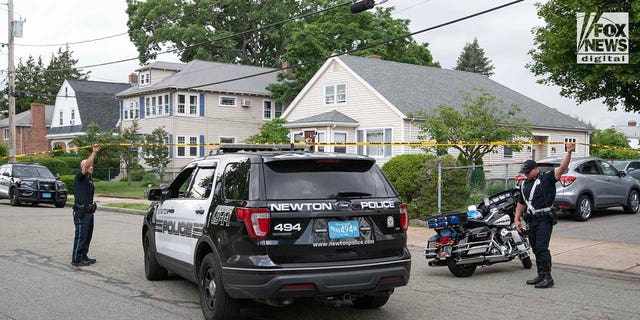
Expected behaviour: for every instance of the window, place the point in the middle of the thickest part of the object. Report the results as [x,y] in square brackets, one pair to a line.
[73,115]
[278,111]
[5,133]
[607,169]
[202,184]
[166,104]
[136,112]
[507,152]
[568,140]
[181,103]
[125,113]
[320,138]
[148,107]
[187,150]
[266,110]
[340,137]
[193,105]
[375,136]
[236,180]
[227,140]
[228,101]
[298,137]
[335,94]
[61,118]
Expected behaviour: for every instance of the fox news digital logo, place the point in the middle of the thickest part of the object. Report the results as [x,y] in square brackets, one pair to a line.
[603,38]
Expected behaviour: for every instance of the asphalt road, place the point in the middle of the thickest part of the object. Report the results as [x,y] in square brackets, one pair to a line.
[611,225]
[37,282]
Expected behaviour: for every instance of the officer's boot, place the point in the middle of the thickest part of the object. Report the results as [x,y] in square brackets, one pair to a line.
[537,278]
[547,280]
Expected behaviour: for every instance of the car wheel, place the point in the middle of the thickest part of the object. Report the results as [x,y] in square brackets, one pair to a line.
[371,301]
[216,304]
[633,203]
[13,197]
[584,208]
[60,204]
[462,270]
[152,269]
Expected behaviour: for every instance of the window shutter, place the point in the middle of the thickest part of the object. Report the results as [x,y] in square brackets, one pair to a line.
[141,108]
[387,139]
[202,146]
[360,138]
[170,146]
[121,110]
[202,105]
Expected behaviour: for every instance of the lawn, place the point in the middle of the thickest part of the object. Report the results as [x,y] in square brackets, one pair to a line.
[136,206]
[119,189]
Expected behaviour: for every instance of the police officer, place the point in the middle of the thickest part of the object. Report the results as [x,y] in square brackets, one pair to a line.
[535,201]
[83,209]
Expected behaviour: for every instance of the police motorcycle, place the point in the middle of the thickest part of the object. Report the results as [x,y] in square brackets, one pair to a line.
[482,236]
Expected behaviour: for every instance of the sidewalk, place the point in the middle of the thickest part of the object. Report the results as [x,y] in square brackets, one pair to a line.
[611,256]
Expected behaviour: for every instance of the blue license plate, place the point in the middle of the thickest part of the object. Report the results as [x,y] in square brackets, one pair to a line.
[46,195]
[343,229]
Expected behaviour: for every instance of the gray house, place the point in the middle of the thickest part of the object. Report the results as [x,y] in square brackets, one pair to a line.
[357,99]
[80,102]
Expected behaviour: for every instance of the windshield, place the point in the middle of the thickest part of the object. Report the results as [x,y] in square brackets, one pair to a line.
[325,179]
[619,165]
[32,172]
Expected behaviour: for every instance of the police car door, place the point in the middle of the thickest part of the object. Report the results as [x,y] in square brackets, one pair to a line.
[191,211]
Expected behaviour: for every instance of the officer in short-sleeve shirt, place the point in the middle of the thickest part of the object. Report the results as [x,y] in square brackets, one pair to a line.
[83,209]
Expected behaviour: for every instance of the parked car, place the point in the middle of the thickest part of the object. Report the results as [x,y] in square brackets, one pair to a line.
[631,167]
[591,183]
[277,226]
[32,183]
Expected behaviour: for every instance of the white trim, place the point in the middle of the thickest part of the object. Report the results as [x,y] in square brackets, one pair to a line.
[333,139]
[271,110]
[320,124]
[187,140]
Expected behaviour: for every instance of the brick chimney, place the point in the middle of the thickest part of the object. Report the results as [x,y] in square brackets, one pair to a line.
[632,123]
[37,116]
[33,138]
[133,78]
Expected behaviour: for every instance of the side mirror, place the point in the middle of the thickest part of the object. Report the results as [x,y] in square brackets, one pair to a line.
[155,195]
[5,173]
[57,176]
[622,173]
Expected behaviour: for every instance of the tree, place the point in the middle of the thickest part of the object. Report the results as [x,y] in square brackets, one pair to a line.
[554,55]
[36,82]
[271,132]
[477,121]
[339,31]
[611,144]
[222,31]
[109,153]
[130,139]
[155,146]
[472,59]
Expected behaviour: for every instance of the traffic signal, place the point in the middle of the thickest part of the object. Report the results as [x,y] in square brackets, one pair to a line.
[362,5]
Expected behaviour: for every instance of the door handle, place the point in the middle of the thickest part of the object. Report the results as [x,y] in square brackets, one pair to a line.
[200,211]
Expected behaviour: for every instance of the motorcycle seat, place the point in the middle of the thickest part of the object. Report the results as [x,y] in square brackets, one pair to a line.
[473,223]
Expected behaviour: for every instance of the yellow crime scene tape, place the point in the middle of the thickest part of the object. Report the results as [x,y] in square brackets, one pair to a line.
[343,144]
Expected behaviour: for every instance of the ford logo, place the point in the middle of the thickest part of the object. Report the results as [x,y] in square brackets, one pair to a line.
[343,204]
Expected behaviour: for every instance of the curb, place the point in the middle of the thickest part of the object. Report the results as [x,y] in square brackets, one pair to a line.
[114,209]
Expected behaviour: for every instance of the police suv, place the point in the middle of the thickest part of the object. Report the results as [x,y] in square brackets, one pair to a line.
[275,226]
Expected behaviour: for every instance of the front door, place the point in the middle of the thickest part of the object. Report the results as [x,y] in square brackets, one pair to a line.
[310,137]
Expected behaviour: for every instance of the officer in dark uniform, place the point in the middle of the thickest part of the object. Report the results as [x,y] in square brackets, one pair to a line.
[83,209]
[535,202]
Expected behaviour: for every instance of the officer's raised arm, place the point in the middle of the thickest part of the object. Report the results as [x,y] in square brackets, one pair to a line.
[571,147]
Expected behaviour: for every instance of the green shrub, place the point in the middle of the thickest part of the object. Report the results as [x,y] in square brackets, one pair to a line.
[150,177]
[55,165]
[415,176]
[57,151]
[137,173]
[68,180]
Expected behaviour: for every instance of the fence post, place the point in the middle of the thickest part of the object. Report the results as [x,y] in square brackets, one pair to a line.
[439,187]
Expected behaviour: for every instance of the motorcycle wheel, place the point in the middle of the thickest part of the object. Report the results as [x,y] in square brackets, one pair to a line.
[462,270]
[526,262]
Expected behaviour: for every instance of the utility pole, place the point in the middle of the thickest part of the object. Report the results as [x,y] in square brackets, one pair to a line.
[12,98]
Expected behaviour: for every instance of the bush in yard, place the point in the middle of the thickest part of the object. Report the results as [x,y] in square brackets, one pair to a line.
[415,176]
[55,165]
[68,180]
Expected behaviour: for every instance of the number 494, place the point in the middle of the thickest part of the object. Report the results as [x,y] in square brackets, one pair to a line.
[287,227]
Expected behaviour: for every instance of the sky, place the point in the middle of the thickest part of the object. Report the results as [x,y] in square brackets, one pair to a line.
[505,35]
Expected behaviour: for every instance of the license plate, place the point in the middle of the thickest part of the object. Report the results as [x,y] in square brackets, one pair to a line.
[46,195]
[445,252]
[343,229]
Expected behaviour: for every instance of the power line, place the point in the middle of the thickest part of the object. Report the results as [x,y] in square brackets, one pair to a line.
[70,43]
[365,47]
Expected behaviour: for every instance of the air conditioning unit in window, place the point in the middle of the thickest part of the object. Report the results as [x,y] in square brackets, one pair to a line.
[245,102]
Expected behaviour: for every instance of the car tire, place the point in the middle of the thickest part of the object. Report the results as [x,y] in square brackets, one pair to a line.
[633,202]
[371,301]
[152,269]
[13,197]
[461,271]
[584,208]
[216,304]
[60,204]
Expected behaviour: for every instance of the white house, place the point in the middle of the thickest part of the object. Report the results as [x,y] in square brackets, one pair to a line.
[357,99]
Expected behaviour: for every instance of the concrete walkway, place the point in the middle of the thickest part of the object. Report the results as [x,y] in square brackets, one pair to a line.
[611,256]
